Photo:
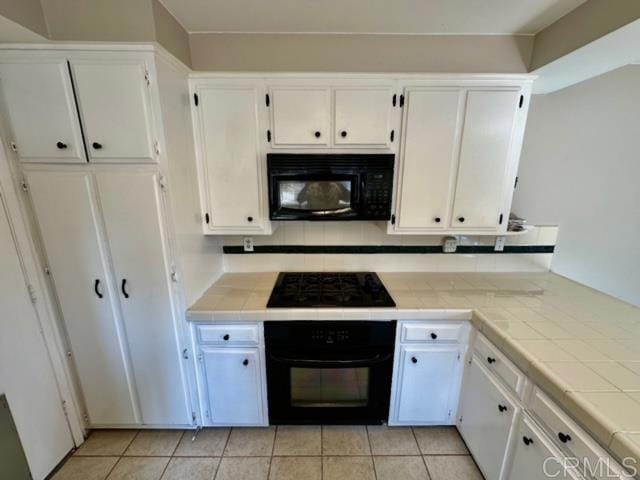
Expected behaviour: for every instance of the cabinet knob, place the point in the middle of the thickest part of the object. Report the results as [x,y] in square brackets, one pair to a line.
[491,360]
[414,360]
[61,145]
[502,408]
[317,134]
[433,336]
[527,441]
[225,337]
[564,438]
[249,219]
[245,362]
[437,219]
[461,219]
[343,133]
[96,145]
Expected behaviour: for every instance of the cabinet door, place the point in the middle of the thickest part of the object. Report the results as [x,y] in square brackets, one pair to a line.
[230,158]
[133,216]
[233,385]
[363,116]
[487,415]
[115,107]
[426,385]
[67,215]
[428,159]
[535,457]
[42,111]
[300,116]
[485,153]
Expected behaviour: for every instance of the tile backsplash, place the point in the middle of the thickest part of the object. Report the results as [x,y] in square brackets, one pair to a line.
[372,234]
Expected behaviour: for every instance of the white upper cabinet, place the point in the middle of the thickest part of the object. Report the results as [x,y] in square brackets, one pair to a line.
[41,108]
[363,116]
[231,164]
[485,153]
[115,106]
[300,116]
[432,121]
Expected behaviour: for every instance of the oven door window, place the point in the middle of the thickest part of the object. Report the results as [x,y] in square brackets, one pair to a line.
[329,387]
[323,197]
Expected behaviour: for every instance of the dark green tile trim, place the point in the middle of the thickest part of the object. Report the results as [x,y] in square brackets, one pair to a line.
[375,249]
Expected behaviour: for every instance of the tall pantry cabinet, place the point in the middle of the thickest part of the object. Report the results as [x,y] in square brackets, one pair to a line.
[98,185]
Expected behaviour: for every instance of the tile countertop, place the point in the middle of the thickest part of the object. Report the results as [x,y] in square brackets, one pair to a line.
[579,345]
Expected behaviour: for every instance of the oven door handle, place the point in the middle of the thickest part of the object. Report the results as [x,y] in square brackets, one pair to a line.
[356,362]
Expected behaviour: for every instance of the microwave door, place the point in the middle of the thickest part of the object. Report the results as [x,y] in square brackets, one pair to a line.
[316,198]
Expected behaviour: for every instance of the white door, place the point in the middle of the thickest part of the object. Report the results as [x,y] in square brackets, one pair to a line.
[535,457]
[427,380]
[133,216]
[115,106]
[428,165]
[231,159]
[234,388]
[485,152]
[42,111]
[300,116]
[26,374]
[67,214]
[363,116]
[487,415]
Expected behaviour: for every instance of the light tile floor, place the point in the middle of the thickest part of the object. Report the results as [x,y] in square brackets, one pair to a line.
[274,453]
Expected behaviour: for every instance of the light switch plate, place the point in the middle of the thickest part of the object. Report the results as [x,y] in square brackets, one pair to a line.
[248,244]
[450,245]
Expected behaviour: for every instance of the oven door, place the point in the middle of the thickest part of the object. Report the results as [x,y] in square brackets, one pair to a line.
[329,387]
[316,196]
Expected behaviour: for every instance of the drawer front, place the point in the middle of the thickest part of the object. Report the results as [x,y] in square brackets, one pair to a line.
[243,334]
[499,365]
[569,437]
[432,333]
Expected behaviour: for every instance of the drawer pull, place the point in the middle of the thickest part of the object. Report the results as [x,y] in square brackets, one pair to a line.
[414,359]
[527,441]
[564,438]
[502,408]
[225,337]
[245,362]
[434,336]
[491,360]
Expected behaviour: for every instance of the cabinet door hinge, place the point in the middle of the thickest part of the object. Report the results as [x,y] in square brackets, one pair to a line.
[500,219]
[267,100]
[200,357]
[64,408]
[162,181]
[458,355]
[393,133]
[147,77]
[393,219]
[32,293]
[156,147]
[14,147]
[449,414]
[401,100]
[193,417]
[185,354]
[393,100]
[25,185]
[521,101]
[174,275]
[196,99]
[268,135]
[46,270]
[206,218]
[515,184]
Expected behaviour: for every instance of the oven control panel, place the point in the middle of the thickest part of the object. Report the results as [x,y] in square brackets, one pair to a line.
[330,336]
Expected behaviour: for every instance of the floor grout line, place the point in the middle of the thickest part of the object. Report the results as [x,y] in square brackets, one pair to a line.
[373,463]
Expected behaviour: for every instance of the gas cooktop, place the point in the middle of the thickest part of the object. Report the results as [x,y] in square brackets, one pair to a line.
[329,289]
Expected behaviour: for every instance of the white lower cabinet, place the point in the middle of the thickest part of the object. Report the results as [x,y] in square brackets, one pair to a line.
[233,385]
[535,457]
[487,415]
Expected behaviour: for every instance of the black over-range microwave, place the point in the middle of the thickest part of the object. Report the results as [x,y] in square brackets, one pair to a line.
[330,186]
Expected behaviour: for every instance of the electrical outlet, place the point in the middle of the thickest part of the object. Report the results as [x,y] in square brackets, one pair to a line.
[248,244]
[499,247]
[450,245]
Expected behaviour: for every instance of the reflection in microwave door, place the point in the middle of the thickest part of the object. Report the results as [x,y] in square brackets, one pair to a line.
[325,195]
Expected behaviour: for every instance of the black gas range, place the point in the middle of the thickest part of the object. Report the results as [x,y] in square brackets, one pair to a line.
[329,289]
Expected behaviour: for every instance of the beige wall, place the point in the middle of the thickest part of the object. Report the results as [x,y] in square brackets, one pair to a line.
[170,34]
[361,53]
[579,169]
[587,23]
[27,13]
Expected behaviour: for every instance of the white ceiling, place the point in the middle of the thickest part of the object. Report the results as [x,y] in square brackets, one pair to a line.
[370,16]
